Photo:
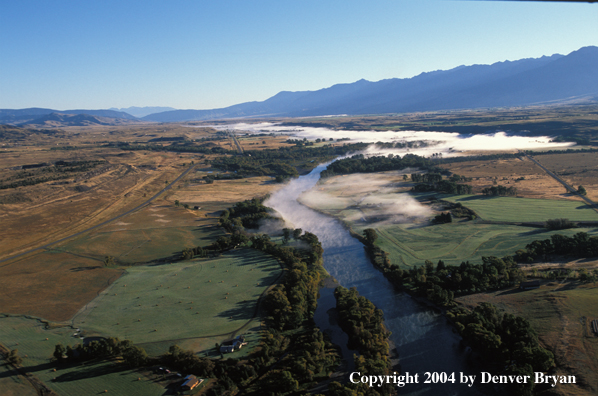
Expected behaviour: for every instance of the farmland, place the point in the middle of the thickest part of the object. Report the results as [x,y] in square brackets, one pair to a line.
[453,243]
[382,201]
[36,344]
[560,312]
[510,209]
[190,299]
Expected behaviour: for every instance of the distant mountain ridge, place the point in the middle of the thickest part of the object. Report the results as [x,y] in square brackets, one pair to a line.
[62,120]
[28,116]
[143,111]
[503,84]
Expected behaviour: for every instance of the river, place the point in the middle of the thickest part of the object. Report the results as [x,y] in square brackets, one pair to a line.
[422,337]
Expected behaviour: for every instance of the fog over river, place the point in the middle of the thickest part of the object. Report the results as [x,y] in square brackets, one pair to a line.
[422,337]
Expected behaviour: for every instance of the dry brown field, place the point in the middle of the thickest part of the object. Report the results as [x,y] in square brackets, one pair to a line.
[561,313]
[54,284]
[575,168]
[535,183]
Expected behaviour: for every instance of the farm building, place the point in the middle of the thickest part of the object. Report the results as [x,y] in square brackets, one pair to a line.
[529,285]
[191,382]
[232,344]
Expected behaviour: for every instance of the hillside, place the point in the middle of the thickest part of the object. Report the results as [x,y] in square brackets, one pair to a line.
[555,78]
[32,115]
[63,120]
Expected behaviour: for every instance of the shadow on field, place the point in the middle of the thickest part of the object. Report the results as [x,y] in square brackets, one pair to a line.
[39,367]
[78,269]
[84,372]
[512,291]
[243,310]
[476,198]
[535,231]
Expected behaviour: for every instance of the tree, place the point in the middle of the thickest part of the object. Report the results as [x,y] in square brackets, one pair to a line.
[370,235]
[59,352]
[581,190]
[13,357]
[297,233]
[135,356]
[109,261]
[176,202]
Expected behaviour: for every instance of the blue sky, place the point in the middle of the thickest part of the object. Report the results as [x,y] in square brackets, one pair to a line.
[210,54]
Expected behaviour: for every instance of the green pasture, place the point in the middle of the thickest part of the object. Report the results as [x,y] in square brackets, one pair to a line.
[410,244]
[139,245]
[514,209]
[183,300]
[12,384]
[36,344]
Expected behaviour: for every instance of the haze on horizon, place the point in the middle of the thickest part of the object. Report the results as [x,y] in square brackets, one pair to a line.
[203,55]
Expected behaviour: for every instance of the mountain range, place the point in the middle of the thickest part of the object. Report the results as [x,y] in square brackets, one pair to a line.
[524,82]
[549,79]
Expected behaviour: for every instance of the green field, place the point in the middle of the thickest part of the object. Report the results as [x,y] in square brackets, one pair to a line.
[144,237]
[12,384]
[453,243]
[190,299]
[561,313]
[35,344]
[514,209]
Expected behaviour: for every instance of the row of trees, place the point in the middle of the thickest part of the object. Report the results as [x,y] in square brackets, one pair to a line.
[106,348]
[364,324]
[360,164]
[501,191]
[60,171]
[580,245]
[507,343]
[441,283]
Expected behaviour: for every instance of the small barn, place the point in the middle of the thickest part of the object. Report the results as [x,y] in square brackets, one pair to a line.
[191,382]
[232,344]
[529,285]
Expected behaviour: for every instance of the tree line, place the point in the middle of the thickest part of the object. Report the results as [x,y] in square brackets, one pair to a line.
[364,324]
[580,245]
[507,343]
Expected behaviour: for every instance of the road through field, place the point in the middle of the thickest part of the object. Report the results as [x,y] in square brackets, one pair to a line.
[564,183]
[144,204]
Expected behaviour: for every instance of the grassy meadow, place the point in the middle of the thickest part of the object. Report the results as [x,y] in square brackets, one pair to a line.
[561,313]
[410,244]
[36,343]
[514,209]
[190,299]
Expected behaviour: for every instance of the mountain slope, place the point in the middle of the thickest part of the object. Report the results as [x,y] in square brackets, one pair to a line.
[23,116]
[516,83]
[63,120]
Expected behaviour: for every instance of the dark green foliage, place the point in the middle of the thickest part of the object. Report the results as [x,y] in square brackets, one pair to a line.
[443,218]
[360,164]
[42,173]
[579,245]
[501,191]
[581,190]
[364,324]
[559,224]
[13,357]
[507,342]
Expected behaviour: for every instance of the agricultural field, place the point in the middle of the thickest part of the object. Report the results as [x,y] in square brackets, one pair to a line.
[575,168]
[561,313]
[513,209]
[402,219]
[530,180]
[13,384]
[184,300]
[410,245]
[35,343]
